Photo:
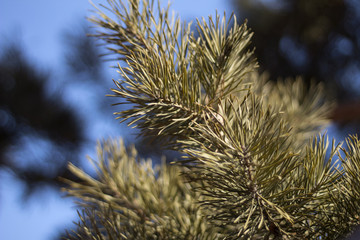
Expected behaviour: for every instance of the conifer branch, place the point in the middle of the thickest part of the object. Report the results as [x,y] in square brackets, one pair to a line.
[168,65]
[252,169]
[131,199]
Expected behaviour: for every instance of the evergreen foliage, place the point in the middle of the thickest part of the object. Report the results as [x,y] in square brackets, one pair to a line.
[253,166]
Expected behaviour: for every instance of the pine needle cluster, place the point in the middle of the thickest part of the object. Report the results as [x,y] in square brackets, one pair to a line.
[254,166]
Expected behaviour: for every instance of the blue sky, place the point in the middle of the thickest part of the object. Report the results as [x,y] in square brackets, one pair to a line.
[39,26]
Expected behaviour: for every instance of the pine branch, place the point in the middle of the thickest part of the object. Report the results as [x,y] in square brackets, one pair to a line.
[253,168]
[172,75]
[133,200]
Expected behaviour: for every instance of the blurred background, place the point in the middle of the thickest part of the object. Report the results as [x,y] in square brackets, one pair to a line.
[53,84]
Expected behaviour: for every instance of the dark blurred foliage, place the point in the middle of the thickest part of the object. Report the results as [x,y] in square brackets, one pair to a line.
[38,133]
[318,39]
[83,54]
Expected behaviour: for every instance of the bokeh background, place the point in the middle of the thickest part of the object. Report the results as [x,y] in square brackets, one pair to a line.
[53,84]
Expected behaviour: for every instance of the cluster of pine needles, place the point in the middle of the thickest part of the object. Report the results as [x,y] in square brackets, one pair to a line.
[254,164]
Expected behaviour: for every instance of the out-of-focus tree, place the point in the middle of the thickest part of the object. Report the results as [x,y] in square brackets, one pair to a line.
[41,130]
[82,54]
[316,39]
[39,134]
